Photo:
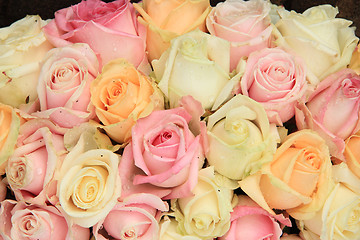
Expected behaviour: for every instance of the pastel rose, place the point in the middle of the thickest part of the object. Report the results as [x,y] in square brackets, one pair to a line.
[9,130]
[298,179]
[110,29]
[121,95]
[168,230]
[64,85]
[342,174]
[250,221]
[240,138]
[277,80]
[31,168]
[338,219]
[325,42]
[246,24]
[168,19]
[355,60]
[206,214]
[196,64]
[339,92]
[22,221]
[136,217]
[3,189]
[352,153]
[88,184]
[290,237]
[23,45]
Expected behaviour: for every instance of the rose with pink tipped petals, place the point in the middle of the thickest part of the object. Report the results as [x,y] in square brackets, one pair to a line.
[246,24]
[64,85]
[333,110]
[276,79]
[136,217]
[21,222]
[39,151]
[167,151]
[111,30]
[251,222]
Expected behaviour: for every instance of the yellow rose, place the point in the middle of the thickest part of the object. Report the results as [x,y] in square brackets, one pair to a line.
[121,95]
[9,131]
[298,179]
[352,153]
[339,218]
[240,138]
[168,230]
[325,42]
[167,19]
[88,183]
[206,214]
[22,46]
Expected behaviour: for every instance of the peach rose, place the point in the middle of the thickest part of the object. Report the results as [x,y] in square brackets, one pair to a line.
[352,153]
[355,60]
[3,189]
[246,24]
[39,152]
[64,85]
[9,130]
[168,19]
[298,179]
[121,95]
[21,221]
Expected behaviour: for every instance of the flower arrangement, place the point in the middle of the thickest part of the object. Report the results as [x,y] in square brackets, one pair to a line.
[180,120]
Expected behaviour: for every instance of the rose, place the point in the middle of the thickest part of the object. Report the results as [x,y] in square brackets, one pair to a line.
[298,179]
[339,92]
[240,138]
[22,221]
[39,152]
[88,184]
[352,154]
[64,85]
[9,129]
[168,19]
[106,27]
[277,80]
[121,95]
[325,42]
[246,24]
[290,237]
[196,64]
[338,219]
[3,189]
[168,230]
[250,221]
[206,214]
[23,45]
[168,153]
[355,60]
[136,217]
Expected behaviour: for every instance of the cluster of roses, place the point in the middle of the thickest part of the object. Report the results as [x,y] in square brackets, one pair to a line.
[178,120]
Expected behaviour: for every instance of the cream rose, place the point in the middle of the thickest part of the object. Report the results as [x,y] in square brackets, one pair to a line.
[168,230]
[88,184]
[206,214]
[22,47]
[240,138]
[325,42]
[9,130]
[352,153]
[196,64]
[168,19]
[338,219]
[121,95]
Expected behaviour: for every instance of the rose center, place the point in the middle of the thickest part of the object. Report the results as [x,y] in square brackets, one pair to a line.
[29,225]
[129,234]
[351,87]
[17,173]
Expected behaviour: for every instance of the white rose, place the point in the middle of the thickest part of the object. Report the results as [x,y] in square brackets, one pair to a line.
[89,184]
[325,42]
[22,47]
[196,64]
[240,138]
[206,214]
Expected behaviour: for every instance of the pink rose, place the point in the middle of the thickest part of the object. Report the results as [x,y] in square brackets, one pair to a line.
[64,85]
[136,217]
[251,222]
[166,151]
[333,110]
[277,80]
[3,190]
[39,151]
[110,29]
[246,24]
[21,221]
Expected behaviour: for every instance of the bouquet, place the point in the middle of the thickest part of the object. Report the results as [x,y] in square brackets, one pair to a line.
[170,119]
